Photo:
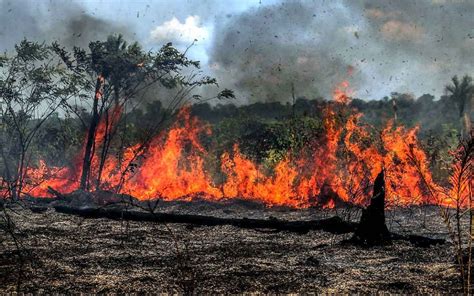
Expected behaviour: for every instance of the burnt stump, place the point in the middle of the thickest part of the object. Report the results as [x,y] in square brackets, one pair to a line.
[372,229]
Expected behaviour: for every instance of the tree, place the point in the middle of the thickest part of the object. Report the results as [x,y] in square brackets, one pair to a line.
[119,73]
[461,93]
[33,85]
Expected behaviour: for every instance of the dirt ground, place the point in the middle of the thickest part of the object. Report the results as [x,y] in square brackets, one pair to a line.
[67,254]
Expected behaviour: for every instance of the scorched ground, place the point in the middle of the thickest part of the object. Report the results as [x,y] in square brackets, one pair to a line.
[68,253]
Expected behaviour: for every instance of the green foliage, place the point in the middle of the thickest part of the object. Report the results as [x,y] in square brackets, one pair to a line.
[438,145]
[33,85]
[128,69]
[461,92]
[266,141]
[59,140]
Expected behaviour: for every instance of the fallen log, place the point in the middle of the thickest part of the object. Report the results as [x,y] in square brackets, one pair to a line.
[56,193]
[333,225]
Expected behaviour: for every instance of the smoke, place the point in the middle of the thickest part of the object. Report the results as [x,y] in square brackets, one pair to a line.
[404,46]
[419,45]
[46,21]
[265,52]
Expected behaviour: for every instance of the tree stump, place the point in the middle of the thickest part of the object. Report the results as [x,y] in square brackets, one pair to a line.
[372,229]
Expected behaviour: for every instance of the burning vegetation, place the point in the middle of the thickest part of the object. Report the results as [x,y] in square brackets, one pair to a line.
[122,150]
[337,167]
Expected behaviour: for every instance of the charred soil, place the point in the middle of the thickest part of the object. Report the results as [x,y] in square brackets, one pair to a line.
[66,253]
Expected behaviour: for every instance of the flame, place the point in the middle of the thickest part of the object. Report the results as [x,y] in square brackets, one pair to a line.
[168,170]
[40,179]
[342,92]
[245,180]
[100,85]
[337,167]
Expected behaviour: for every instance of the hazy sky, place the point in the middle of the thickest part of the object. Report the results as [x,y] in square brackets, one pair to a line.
[260,48]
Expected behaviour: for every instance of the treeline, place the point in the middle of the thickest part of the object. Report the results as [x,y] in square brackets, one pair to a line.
[264,128]
[427,112]
[267,132]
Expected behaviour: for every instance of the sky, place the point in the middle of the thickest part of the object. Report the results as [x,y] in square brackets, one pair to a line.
[263,48]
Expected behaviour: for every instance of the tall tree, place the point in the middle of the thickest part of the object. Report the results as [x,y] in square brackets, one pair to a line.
[461,93]
[118,74]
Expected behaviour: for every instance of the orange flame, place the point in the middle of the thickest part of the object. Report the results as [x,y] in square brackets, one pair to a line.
[342,93]
[340,166]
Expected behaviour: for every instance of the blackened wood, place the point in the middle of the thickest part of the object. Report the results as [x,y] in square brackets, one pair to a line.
[88,151]
[372,229]
[333,224]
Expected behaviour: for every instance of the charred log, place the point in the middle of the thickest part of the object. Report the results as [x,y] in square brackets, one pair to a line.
[56,193]
[38,209]
[372,229]
[332,225]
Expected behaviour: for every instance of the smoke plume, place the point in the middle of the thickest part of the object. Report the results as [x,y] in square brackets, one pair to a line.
[46,21]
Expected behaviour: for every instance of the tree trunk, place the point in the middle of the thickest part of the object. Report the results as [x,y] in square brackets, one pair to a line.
[466,123]
[110,120]
[103,154]
[86,165]
[372,229]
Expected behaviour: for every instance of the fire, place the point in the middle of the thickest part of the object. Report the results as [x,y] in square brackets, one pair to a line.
[245,180]
[342,92]
[336,168]
[169,171]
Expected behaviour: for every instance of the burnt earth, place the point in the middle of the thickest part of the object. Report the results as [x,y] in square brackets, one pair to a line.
[66,254]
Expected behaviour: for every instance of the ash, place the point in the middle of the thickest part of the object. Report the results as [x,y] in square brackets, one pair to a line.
[64,254]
